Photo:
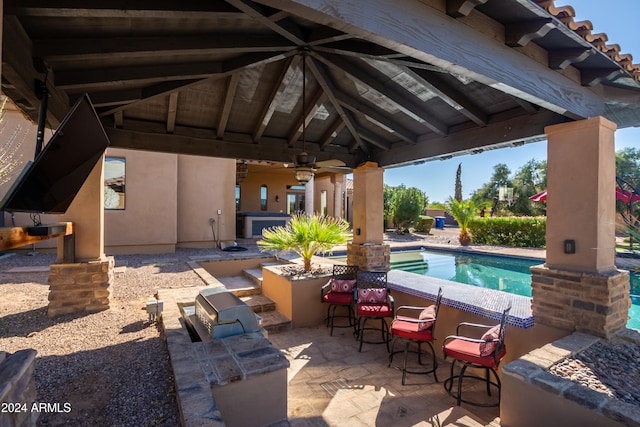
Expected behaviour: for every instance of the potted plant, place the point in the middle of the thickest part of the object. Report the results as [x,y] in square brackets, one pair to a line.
[306,236]
[463,211]
[296,292]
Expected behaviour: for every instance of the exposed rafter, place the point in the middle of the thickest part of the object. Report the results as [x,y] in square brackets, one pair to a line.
[460,8]
[232,85]
[172,112]
[521,33]
[312,108]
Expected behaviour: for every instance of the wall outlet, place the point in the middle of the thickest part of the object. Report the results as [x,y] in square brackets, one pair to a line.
[219,211]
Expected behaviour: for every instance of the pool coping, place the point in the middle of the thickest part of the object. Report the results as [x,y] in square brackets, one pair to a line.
[484,302]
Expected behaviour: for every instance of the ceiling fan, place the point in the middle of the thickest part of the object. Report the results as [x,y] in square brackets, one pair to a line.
[305,164]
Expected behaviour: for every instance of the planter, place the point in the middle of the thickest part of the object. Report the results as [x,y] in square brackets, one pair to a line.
[297,299]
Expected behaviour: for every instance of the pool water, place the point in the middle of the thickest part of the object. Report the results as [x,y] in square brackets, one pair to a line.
[489,271]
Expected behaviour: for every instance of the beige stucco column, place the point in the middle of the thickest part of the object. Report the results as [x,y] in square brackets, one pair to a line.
[83,286]
[579,287]
[338,185]
[308,196]
[367,250]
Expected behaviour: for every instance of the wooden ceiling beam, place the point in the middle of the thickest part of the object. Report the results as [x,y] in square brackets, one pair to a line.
[332,132]
[171,112]
[152,137]
[324,35]
[102,78]
[385,86]
[232,85]
[325,82]
[287,73]
[313,105]
[499,132]
[465,52]
[560,59]
[450,95]
[385,120]
[375,139]
[358,49]
[286,29]
[125,9]
[80,49]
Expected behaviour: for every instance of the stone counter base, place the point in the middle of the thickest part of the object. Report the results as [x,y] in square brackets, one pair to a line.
[589,303]
[80,287]
[369,257]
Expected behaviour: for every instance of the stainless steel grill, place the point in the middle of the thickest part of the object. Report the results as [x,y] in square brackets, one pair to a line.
[223,314]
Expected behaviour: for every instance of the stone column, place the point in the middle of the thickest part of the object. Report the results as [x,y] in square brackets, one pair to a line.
[368,251]
[579,287]
[83,286]
[308,196]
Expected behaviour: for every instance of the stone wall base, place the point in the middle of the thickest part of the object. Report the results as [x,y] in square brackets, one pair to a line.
[596,304]
[80,287]
[18,388]
[369,256]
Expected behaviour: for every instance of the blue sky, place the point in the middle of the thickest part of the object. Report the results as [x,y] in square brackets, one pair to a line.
[619,20]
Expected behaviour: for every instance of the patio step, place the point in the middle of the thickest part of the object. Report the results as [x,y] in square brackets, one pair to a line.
[240,286]
[248,291]
[259,303]
[253,274]
[275,322]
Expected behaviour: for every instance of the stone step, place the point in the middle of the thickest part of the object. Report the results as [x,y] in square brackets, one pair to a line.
[259,303]
[275,322]
[240,286]
[253,274]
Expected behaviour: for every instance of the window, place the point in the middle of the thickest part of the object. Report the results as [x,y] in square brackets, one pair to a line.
[323,202]
[114,173]
[263,197]
[237,197]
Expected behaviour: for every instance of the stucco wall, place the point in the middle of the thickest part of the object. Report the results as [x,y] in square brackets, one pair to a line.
[276,186]
[205,186]
[150,213]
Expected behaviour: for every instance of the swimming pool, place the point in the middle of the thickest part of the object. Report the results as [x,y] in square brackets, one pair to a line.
[508,274]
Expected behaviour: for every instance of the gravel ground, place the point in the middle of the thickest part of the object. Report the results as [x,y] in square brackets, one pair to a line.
[113,366]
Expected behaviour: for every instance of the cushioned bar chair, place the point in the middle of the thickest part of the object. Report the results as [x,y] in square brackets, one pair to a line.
[482,353]
[415,324]
[338,292]
[373,302]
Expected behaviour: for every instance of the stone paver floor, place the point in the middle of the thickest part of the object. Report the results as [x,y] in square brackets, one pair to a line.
[332,384]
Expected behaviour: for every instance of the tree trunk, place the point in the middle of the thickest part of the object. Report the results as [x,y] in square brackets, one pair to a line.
[307,265]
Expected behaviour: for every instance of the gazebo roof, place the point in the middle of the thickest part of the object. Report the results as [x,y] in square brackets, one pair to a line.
[393,82]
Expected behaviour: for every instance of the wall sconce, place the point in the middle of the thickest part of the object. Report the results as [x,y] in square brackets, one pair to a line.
[277,198]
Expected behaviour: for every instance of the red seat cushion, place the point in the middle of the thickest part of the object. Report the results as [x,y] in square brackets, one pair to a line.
[410,330]
[374,310]
[470,352]
[342,298]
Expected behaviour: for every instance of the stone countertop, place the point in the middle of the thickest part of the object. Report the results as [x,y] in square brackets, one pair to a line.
[238,357]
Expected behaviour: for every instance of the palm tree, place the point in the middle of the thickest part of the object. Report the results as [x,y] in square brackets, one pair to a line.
[306,236]
[463,212]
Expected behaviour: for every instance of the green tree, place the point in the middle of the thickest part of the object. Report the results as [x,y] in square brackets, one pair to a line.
[458,188]
[463,212]
[488,193]
[628,165]
[408,205]
[306,236]
[387,197]
[529,180]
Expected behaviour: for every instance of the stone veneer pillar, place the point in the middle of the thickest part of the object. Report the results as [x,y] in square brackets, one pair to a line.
[83,286]
[368,251]
[579,287]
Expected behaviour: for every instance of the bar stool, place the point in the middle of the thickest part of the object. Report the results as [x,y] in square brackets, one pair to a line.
[484,353]
[415,324]
[338,292]
[373,302]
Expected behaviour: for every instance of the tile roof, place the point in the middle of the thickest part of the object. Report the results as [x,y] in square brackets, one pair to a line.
[584,29]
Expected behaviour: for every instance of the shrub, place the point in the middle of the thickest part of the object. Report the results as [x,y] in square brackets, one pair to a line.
[529,232]
[424,224]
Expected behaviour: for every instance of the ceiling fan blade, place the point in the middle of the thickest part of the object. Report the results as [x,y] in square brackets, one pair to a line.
[337,169]
[330,163]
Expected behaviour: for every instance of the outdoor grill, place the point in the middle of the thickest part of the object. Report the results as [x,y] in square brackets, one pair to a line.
[223,314]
